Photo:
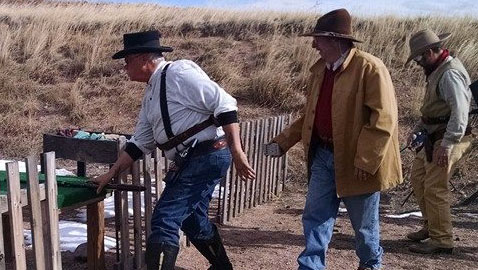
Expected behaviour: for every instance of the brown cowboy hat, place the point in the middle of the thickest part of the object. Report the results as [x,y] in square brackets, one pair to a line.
[423,40]
[336,23]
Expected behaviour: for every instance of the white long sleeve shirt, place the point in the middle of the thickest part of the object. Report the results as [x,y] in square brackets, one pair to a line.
[191,97]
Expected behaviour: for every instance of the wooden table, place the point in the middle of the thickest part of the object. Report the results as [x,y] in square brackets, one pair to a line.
[83,152]
[88,198]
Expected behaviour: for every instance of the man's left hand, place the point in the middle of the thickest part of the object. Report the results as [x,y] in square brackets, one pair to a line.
[362,175]
[441,156]
[244,170]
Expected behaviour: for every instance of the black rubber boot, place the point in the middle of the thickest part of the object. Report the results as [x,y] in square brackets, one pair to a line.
[154,260]
[213,250]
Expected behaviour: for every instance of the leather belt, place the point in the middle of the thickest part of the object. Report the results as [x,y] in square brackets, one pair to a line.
[209,146]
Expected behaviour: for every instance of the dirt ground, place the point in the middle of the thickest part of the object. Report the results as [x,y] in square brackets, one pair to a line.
[269,237]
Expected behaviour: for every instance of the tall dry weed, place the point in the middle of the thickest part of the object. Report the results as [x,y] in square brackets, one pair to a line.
[56,68]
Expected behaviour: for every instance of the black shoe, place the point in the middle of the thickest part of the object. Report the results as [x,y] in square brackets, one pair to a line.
[430,249]
[419,235]
[153,257]
[213,250]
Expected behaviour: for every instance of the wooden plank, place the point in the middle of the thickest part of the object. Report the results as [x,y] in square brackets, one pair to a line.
[270,169]
[225,198]
[80,168]
[245,144]
[118,212]
[250,157]
[286,156]
[271,160]
[267,174]
[51,195]
[124,228]
[260,156]
[95,236]
[274,160]
[279,160]
[137,226]
[2,247]
[33,193]
[232,194]
[257,155]
[94,151]
[148,198]
[263,161]
[46,235]
[16,216]
[118,218]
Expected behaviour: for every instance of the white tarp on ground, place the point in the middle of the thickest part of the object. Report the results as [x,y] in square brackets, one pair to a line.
[72,234]
[405,215]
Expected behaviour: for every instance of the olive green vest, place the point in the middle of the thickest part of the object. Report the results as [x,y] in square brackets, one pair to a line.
[434,105]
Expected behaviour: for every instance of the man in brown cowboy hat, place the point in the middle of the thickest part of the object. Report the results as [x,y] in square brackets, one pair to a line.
[444,120]
[194,120]
[350,134]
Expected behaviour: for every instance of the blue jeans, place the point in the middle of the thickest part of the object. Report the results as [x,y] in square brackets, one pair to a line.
[320,212]
[184,203]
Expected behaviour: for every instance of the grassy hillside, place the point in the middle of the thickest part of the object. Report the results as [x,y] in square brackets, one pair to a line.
[56,68]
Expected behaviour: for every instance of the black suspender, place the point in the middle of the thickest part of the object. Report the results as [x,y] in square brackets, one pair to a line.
[173,140]
[164,104]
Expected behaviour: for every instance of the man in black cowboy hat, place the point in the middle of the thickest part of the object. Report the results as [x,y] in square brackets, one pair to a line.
[194,120]
[444,120]
[350,136]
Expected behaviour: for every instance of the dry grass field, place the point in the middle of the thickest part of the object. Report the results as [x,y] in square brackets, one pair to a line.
[56,68]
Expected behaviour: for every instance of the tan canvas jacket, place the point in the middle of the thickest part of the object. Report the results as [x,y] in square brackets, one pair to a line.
[364,123]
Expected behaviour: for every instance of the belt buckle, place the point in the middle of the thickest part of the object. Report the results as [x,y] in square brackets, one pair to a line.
[220,144]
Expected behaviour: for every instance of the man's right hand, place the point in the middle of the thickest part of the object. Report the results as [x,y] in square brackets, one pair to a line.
[102,181]
[273,150]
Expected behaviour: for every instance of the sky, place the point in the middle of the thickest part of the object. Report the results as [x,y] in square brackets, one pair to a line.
[356,7]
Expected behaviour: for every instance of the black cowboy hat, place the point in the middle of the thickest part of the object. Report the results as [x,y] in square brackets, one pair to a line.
[141,42]
[337,24]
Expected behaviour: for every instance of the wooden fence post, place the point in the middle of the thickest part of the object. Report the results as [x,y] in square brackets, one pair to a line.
[125,245]
[148,198]
[16,215]
[257,156]
[53,212]
[137,226]
[225,199]
[33,193]
[2,248]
